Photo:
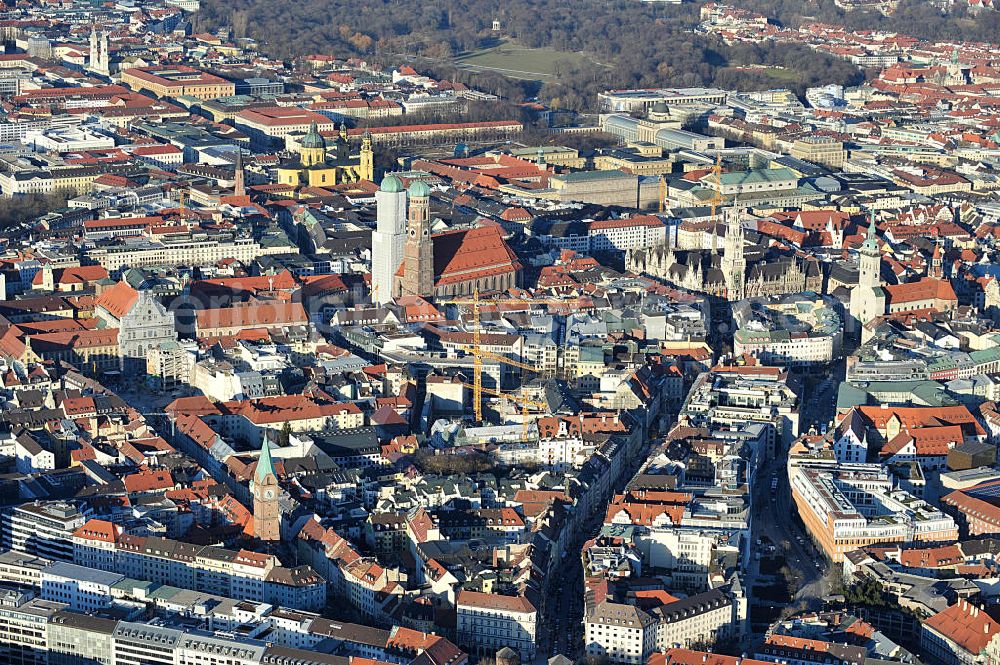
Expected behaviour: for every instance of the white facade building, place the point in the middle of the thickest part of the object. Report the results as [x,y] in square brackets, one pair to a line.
[42,529]
[389,237]
[82,589]
[488,622]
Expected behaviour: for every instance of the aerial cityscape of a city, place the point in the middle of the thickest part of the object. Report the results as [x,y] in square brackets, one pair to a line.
[504,332]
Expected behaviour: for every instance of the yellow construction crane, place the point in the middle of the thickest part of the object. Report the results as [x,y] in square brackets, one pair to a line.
[479,354]
[523,402]
[717,198]
[663,193]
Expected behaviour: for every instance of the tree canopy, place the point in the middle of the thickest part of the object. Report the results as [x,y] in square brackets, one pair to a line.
[916,18]
[620,43]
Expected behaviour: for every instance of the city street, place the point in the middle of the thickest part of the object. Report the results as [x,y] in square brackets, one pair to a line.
[819,403]
[774,519]
[774,511]
[566,629]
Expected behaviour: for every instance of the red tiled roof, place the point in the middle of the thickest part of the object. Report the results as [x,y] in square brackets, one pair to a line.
[646,514]
[935,557]
[690,657]
[78,406]
[927,288]
[79,339]
[99,530]
[125,222]
[493,601]
[286,408]
[279,282]
[928,441]
[148,481]
[257,314]
[965,624]
[283,115]
[193,76]
[913,417]
[118,300]
[798,643]
[198,405]
[467,254]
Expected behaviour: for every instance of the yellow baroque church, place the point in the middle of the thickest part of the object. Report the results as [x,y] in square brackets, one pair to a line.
[318,167]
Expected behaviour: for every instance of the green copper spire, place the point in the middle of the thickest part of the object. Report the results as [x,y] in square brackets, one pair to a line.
[264,464]
[871,244]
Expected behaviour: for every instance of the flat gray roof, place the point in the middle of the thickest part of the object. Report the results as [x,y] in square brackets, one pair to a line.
[82,573]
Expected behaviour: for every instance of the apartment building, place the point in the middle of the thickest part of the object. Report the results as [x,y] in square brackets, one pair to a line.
[824,150]
[624,633]
[267,314]
[70,634]
[291,637]
[243,574]
[250,419]
[76,179]
[795,330]
[148,644]
[177,81]
[963,634]
[20,570]
[794,650]
[637,232]
[23,620]
[488,622]
[191,251]
[705,618]
[41,529]
[268,124]
[80,588]
[736,395]
[87,350]
[846,507]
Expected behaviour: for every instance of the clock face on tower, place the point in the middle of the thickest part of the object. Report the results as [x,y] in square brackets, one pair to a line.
[269,494]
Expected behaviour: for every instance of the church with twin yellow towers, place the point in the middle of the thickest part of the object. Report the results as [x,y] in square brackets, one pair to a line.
[321,166]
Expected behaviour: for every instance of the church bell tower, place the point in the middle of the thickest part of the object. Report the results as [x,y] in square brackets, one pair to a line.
[266,491]
[868,298]
[418,253]
[734,263]
[366,159]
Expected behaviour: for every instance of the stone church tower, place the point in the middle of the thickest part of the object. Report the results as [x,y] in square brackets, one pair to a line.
[388,239]
[265,490]
[937,259]
[868,298]
[418,253]
[734,263]
[239,181]
[100,52]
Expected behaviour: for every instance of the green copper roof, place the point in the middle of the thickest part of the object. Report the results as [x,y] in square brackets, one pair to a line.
[313,139]
[391,184]
[757,176]
[420,188]
[870,243]
[264,464]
